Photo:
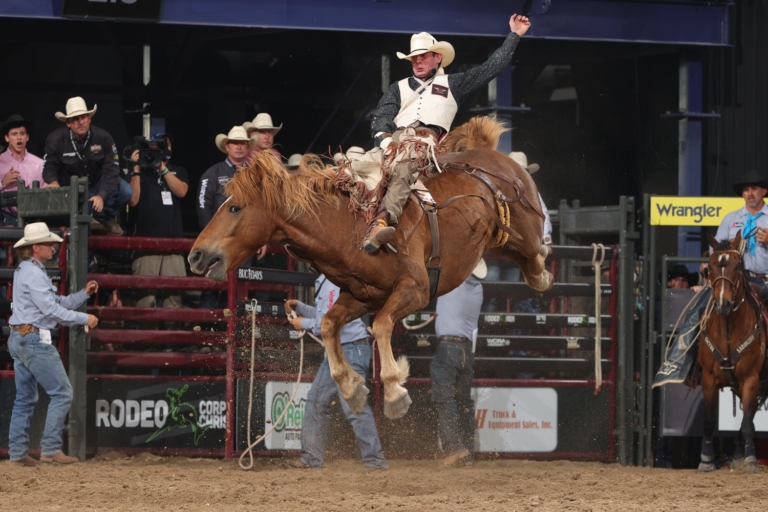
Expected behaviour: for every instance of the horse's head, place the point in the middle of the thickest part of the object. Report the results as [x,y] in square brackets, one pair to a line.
[242,225]
[726,273]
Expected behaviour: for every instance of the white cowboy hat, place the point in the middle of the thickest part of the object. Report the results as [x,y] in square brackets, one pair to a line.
[236,133]
[262,122]
[424,42]
[480,270]
[355,153]
[293,160]
[519,157]
[75,107]
[37,233]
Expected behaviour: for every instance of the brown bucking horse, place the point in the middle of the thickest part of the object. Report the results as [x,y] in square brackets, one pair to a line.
[306,212]
[732,351]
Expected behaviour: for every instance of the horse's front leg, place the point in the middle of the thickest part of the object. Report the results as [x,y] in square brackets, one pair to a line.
[351,384]
[749,390]
[710,392]
[404,300]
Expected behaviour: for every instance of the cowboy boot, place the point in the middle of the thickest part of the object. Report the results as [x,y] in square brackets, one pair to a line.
[380,232]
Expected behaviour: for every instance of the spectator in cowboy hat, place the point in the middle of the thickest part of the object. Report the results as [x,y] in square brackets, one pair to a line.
[263,131]
[82,149]
[210,192]
[16,163]
[293,162]
[36,310]
[679,277]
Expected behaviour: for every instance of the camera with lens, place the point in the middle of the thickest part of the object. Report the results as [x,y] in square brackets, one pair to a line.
[150,152]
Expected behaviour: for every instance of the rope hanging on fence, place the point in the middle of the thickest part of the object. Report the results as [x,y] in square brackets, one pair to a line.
[276,422]
[596,264]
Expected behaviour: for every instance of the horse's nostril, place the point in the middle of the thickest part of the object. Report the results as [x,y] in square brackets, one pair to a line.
[194,257]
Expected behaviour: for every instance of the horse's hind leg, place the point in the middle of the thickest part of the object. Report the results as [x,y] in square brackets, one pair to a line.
[351,384]
[404,300]
[533,269]
[710,393]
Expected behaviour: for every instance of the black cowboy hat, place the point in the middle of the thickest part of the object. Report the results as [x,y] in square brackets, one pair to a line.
[680,270]
[15,121]
[750,178]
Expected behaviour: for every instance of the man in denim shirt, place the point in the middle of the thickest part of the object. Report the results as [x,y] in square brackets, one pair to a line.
[357,351]
[451,369]
[36,310]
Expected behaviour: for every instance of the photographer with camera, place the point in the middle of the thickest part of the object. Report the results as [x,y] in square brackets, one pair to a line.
[156,210]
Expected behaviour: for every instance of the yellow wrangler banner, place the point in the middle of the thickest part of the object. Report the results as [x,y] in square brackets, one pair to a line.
[692,211]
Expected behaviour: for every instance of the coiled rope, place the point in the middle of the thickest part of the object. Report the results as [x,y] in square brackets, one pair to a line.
[249,451]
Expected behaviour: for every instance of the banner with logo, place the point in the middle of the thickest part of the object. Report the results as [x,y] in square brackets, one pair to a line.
[728,421]
[692,211]
[287,433]
[171,414]
[515,419]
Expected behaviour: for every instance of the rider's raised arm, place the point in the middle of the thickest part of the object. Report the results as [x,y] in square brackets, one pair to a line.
[464,83]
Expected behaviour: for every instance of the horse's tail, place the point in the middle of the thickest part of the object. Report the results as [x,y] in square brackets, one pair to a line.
[478,132]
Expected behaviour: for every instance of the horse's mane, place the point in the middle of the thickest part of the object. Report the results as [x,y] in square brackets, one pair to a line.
[478,132]
[265,181]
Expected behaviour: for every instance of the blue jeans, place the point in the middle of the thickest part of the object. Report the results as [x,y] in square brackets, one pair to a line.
[119,197]
[451,371]
[37,363]
[314,428]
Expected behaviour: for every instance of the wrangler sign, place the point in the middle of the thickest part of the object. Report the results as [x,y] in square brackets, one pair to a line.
[692,211]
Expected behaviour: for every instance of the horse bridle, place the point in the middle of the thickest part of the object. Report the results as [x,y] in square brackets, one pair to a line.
[730,281]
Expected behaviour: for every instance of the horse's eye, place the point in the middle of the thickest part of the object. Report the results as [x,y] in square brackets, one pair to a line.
[234,209]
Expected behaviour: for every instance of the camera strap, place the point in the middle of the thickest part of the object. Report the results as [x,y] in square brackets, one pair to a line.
[74,143]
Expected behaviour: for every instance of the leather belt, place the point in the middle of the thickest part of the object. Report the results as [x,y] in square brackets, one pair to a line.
[755,274]
[457,339]
[24,329]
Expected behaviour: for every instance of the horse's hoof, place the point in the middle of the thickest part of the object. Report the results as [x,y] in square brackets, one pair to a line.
[750,464]
[737,463]
[706,467]
[398,408]
[359,399]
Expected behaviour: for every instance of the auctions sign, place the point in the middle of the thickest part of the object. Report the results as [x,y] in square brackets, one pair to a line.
[515,419]
[692,211]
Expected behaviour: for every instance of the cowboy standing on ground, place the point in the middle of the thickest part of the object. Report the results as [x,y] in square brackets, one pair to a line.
[426,101]
[82,149]
[36,310]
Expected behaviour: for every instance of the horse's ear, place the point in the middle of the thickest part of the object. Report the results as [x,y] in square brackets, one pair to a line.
[737,240]
[712,241]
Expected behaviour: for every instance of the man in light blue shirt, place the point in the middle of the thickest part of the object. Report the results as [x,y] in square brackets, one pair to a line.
[752,221]
[36,310]
[357,351]
[451,369]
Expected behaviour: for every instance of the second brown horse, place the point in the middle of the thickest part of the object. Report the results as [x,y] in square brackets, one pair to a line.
[304,211]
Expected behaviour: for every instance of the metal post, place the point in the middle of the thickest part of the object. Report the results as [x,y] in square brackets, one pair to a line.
[147,117]
[689,149]
[500,95]
[77,270]
[625,380]
[644,385]
[651,341]
[229,432]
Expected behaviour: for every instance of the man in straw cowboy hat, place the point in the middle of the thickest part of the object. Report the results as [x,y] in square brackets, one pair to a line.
[752,221]
[36,310]
[427,102]
[451,369]
[82,149]
[210,194]
[263,132]
[16,163]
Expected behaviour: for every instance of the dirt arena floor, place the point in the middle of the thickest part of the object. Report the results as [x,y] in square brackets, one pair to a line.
[149,482]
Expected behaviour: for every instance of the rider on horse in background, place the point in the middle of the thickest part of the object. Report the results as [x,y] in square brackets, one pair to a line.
[752,221]
[427,102]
